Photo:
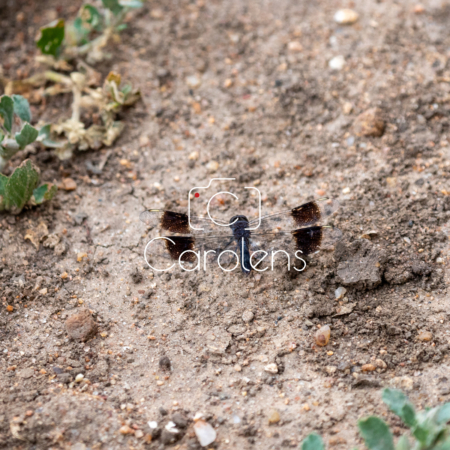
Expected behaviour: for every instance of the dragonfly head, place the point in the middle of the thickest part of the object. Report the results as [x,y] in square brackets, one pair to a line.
[238,222]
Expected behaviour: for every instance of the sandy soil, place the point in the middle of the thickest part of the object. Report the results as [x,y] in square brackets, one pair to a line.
[245,84]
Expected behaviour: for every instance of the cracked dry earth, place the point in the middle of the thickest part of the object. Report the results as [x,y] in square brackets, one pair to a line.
[238,89]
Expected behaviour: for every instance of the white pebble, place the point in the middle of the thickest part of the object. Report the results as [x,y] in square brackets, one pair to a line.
[152,424]
[212,166]
[346,16]
[340,292]
[295,47]
[346,190]
[271,368]
[205,433]
[337,63]
[79,378]
[193,81]
[247,316]
[171,427]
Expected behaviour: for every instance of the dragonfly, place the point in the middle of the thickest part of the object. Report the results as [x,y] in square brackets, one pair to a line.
[302,230]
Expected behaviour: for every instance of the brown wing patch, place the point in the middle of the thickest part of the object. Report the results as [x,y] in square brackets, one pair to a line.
[176,245]
[308,240]
[175,222]
[307,214]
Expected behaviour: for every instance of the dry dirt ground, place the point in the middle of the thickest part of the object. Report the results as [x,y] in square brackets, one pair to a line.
[245,84]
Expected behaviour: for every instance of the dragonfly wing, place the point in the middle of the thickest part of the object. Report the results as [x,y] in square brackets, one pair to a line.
[181,223]
[307,240]
[311,213]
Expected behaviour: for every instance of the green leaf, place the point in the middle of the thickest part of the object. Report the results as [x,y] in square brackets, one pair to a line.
[443,445]
[81,33]
[121,27]
[113,6]
[51,38]
[8,149]
[27,135]
[45,138]
[409,415]
[7,112]
[22,108]
[399,404]
[92,16]
[376,434]
[403,444]
[44,132]
[3,181]
[43,193]
[312,442]
[443,414]
[16,190]
[2,136]
[428,432]
[131,3]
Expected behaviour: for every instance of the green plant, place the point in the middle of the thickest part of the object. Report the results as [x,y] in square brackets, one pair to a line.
[21,188]
[428,428]
[69,134]
[87,35]
[11,141]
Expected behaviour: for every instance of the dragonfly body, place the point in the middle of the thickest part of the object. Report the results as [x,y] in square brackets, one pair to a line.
[238,225]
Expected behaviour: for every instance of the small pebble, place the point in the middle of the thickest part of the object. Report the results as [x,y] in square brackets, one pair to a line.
[346,190]
[205,433]
[345,16]
[271,368]
[380,364]
[237,368]
[425,336]
[126,430]
[193,81]
[157,13]
[368,368]
[81,326]
[274,417]
[247,316]
[164,363]
[212,166]
[370,123]
[139,434]
[347,108]
[179,420]
[79,378]
[81,255]
[68,184]
[10,308]
[144,140]
[340,292]
[337,63]
[322,336]
[295,47]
